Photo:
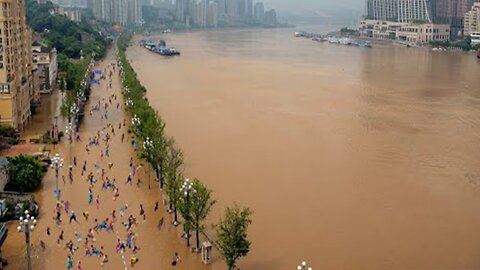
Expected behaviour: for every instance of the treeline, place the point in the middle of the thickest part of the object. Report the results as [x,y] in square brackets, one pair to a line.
[193,200]
[68,37]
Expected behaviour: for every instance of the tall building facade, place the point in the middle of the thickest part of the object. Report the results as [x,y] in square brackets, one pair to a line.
[16,80]
[45,63]
[101,10]
[452,12]
[472,20]
[124,12]
[226,12]
[249,9]
[259,12]
[212,14]
[180,8]
[398,10]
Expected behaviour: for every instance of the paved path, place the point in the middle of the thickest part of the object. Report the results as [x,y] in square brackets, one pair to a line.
[156,246]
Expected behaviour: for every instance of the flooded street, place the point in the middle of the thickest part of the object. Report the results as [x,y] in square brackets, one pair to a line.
[156,244]
[351,158]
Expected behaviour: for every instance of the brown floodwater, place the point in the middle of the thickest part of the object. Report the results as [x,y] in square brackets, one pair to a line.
[351,158]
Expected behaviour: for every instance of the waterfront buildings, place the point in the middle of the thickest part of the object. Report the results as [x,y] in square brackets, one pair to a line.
[421,11]
[16,79]
[472,20]
[45,64]
[123,12]
[210,13]
[405,32]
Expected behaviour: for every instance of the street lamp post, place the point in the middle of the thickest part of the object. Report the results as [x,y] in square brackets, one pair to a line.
[148,146]
[187,188]
[129,102]
[73,114]
[303,266]
[57,163]
[136,124]
[26,225]
[136,121]
[69,132]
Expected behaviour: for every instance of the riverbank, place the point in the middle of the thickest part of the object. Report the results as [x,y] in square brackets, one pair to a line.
[165,241]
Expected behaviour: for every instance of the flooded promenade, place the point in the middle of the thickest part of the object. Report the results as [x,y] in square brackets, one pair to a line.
[352,158]
[156,247]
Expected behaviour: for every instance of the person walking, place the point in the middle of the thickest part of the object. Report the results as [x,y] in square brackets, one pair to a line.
[69,262]
[73,216]
[176,259]
[90,196]
[79,265]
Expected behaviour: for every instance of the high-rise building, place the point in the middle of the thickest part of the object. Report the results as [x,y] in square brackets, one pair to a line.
[180,7]
[382,10]
[270,17]
[222,8]
[212,14]
[123,12]
[16,80]
[241,8]
[249,9]
[451,12]
[472,20]
[231,8]
[413,10]
[259,12]
[101,10]
[134,12]
[398,10]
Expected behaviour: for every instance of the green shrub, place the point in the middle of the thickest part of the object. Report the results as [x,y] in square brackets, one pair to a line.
[25,173]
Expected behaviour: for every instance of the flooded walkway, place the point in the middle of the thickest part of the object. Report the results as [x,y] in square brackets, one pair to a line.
[156,246]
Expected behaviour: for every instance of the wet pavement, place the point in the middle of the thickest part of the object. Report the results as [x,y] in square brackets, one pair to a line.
[156,246]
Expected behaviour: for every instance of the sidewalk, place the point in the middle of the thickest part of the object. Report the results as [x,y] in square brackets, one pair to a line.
[157,247]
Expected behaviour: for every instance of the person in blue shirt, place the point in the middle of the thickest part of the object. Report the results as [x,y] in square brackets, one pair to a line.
[69,262]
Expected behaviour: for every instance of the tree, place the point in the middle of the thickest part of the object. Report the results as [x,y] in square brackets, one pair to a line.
[232,234]
[185,202]
[25,173]
[195,206]
[201,203]
[173,176]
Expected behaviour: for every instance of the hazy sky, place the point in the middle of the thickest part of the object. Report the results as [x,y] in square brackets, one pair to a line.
[339,11]
[305,5]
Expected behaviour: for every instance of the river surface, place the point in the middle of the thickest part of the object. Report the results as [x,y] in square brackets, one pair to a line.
[351,158]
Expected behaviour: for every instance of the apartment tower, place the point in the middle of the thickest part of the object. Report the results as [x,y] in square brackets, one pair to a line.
[472,20]
[398,10]
[15,64]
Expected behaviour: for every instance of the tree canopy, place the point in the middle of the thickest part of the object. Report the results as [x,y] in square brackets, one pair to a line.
[67,36]
[232,234]
[25,173]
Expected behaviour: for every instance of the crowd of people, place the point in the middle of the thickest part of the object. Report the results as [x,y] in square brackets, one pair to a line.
[96,173]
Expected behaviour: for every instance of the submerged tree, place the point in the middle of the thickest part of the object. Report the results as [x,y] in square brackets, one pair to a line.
[232,234]
[173,175]
[202,203]
[195,206]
